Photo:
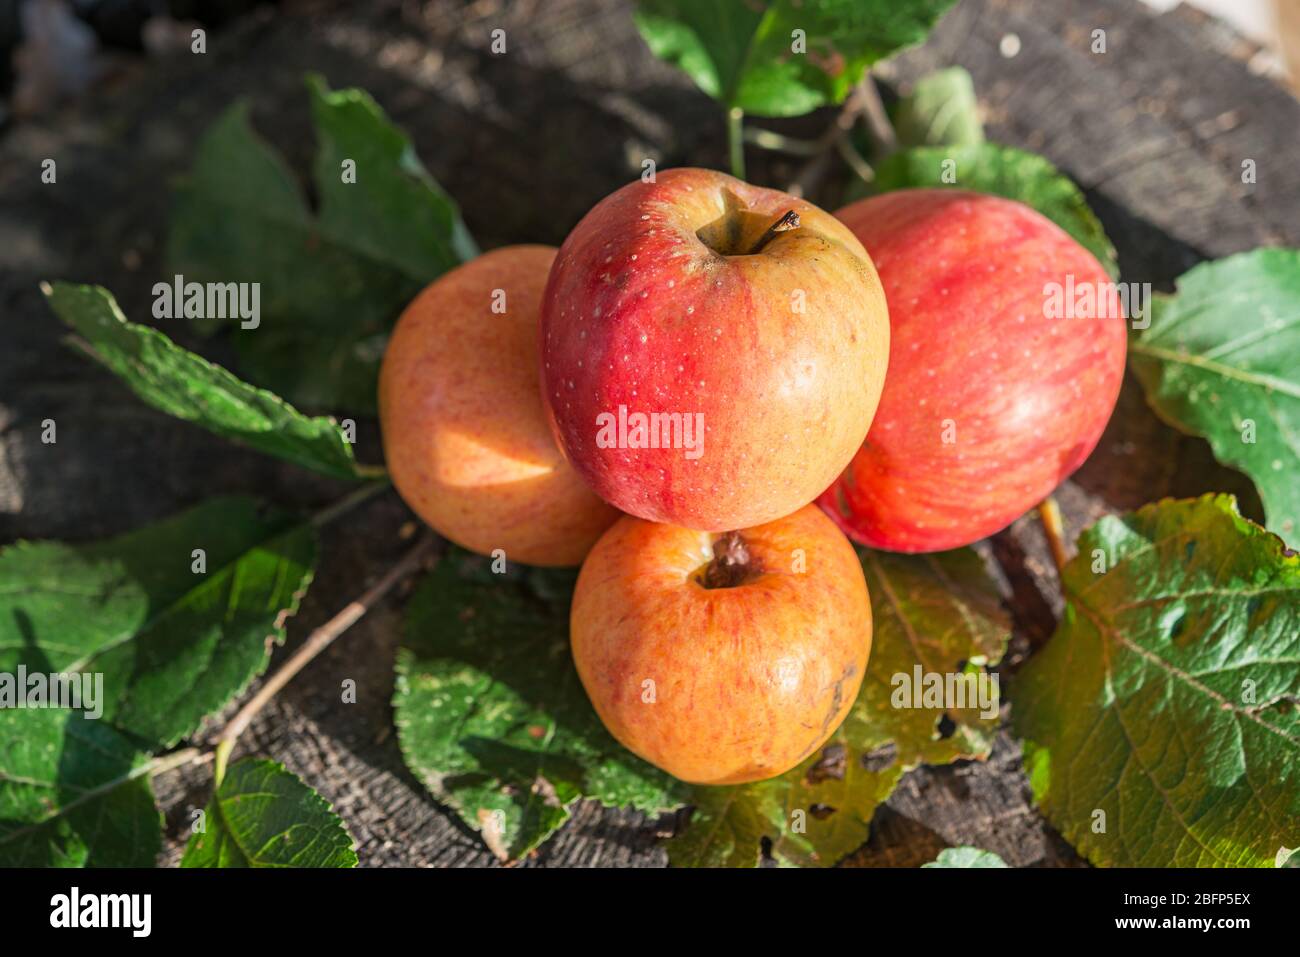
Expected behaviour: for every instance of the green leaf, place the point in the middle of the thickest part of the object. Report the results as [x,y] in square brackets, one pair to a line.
[1221,359]
[728,824]
[490,712]
[1164,709]
[742,53]
[189,387]
[265,816]
[941,613]
[172,646]
[941,110]
[73,793]
[333,282]
[1003,171]
[966,857]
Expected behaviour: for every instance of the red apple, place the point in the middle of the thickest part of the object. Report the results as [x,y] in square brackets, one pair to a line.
[722,659]
[992,398]
[709,361]
[465,436]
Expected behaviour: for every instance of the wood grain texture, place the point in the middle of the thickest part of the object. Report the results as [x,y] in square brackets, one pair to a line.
[1154,130]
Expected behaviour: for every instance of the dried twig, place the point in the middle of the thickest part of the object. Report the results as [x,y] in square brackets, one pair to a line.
[318,641]
[863,103]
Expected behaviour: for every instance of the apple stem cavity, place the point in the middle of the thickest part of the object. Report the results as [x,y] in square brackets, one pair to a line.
[788,221]
[732,563]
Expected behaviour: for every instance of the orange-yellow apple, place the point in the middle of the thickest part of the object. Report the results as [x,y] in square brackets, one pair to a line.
[722,658]
[466,439]
[1008,352]
[712,352]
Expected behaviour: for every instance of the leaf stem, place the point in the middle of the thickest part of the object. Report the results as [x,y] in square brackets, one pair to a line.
[316,642]
[736,141]
[780,143]
[1054,530]
[348,502]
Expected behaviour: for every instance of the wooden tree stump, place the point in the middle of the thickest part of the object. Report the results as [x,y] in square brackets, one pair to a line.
[1155,130]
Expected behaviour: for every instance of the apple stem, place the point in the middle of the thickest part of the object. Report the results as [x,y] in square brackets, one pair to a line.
[732,563]
[788,221]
